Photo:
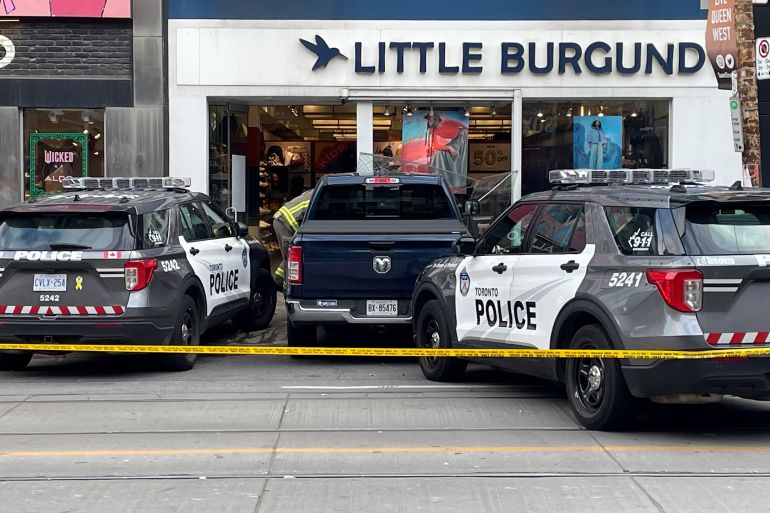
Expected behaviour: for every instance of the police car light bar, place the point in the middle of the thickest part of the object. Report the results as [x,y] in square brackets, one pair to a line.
[125,183]
[629,176]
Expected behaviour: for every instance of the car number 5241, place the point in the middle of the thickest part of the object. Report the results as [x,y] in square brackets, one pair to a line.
[625,280]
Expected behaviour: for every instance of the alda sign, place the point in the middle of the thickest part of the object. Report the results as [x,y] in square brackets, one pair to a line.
[510,57]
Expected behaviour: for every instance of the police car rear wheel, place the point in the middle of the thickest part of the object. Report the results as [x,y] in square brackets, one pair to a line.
[433,333]
[596,389]
[14,361]
[186,333]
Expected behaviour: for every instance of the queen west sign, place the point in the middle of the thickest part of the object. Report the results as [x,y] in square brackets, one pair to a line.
[510,58]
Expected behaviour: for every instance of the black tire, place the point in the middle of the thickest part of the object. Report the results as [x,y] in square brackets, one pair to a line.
[301,335]
[14,361]
[432,331]
[187,332]
[262,302]
[596,388]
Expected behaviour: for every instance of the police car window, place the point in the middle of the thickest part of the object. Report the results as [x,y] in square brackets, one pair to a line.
[634,230]
[508,235]
[155,229]
[194,225]
[555,229]
[78,231]
[357,202]
[718,229]
[220,225]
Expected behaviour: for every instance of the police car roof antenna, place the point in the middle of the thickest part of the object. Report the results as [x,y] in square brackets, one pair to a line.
[737,186]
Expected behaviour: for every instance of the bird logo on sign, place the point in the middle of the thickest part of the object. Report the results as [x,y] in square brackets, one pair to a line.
[324,54]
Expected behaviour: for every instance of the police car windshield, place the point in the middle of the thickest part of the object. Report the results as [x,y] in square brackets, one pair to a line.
[722,229]
[51,231]
[408,201]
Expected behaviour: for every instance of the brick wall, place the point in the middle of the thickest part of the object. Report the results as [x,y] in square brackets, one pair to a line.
[69,49]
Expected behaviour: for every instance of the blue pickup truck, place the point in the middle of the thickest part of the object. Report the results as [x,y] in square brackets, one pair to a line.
[363,242]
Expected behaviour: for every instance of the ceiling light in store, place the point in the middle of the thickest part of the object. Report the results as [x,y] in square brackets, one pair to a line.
[97,136]
[408,110]
[294,110]
[540,113]
[601,114]
[634,114]
[387,111]
[85,131]
[52,117]
[569,112]
[96,153]
[467,112]
[493,111]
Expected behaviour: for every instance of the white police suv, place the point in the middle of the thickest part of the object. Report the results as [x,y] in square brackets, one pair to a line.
[622,259]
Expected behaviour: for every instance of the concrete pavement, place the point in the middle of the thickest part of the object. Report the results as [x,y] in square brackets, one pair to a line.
[104,433]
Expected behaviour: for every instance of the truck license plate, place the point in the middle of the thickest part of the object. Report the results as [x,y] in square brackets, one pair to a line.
[382,308]
[50,283]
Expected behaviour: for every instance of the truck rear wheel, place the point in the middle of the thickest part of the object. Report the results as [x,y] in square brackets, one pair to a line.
[432,332]
[301,335]
[14,361]
[596,388]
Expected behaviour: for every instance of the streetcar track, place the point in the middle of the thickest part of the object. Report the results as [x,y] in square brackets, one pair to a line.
[412,475]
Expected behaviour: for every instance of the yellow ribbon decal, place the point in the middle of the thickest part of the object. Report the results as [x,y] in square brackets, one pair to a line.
[79,283]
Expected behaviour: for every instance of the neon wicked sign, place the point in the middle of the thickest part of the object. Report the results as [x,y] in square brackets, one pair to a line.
[511,58]
[8,51]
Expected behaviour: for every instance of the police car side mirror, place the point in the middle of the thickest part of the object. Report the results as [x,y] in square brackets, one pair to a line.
[464,246]
[243,230]
[472,207]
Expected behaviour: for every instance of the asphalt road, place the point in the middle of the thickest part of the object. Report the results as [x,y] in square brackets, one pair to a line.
[85,433]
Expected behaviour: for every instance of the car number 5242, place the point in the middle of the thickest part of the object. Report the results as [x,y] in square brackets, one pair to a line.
[49,298]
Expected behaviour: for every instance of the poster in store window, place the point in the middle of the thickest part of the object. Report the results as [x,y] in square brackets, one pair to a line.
[596,142]
[54,157]
[437,142]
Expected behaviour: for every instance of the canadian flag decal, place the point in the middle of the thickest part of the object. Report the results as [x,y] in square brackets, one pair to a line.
[112,255]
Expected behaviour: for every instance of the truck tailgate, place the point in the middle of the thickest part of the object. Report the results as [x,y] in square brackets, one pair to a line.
[343,266]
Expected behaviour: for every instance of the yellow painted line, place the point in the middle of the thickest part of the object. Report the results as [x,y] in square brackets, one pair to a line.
[397,352]
[544,449]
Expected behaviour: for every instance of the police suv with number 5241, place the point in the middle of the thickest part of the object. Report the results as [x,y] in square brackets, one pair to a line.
[127,261]
[654,261]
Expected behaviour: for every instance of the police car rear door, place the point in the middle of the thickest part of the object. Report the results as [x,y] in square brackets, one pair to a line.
[729,243]
[483,307]
[548,274]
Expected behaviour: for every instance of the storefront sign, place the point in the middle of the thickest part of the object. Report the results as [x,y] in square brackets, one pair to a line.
[597,57]
[763,58]
[9,51]
[54,157]
[736,116]
[490,157]
[721,43]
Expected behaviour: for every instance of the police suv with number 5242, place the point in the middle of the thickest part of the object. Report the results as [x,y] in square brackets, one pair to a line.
[621,259]
[127,261]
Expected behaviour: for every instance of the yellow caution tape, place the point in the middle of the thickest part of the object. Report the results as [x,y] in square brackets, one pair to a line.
[397,352]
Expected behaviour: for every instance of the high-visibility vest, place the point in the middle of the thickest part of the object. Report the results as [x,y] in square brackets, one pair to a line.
[293,211]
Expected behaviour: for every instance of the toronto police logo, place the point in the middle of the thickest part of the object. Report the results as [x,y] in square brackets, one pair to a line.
[465,282]
[381,265]
[245,257]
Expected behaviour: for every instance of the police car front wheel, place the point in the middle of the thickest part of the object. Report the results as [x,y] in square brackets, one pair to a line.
[432,332]
[596,388]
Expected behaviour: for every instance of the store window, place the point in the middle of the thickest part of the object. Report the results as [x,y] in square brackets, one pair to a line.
[593,134]
[60,143]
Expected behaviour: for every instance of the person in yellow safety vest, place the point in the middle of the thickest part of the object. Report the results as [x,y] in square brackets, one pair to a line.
[286,223]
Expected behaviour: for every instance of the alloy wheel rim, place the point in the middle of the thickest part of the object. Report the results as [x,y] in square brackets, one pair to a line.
[187,329]
[590,383]
[432,339]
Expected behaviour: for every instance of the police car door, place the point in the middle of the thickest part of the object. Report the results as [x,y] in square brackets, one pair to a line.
[233,282]
[547,275]
[205,254]
[482,300]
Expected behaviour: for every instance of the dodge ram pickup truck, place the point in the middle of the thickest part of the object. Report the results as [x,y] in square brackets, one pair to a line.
[357,254]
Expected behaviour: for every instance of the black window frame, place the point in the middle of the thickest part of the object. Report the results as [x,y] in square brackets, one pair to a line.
[539,215]
[500,219]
